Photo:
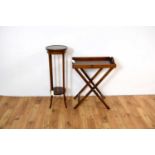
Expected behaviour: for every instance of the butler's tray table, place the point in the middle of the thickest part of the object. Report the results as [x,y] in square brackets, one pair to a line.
[80,64]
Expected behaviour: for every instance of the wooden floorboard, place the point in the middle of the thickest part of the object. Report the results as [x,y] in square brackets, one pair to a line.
[131,112]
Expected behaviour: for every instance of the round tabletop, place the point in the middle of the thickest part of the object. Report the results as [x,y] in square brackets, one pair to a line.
[56,47]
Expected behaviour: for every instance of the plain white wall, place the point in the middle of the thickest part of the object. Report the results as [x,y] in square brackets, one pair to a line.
[24,62]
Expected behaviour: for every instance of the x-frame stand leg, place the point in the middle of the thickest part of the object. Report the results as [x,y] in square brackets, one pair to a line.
[89,82]
[91,79]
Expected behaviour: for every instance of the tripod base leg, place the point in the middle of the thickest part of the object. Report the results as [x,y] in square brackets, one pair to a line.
[51,99]
[65,101]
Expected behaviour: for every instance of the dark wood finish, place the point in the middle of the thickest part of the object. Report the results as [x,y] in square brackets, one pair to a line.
[93,62]
[58,90]
[51,101]
[81,63]
[51,78]
[51,71]
[91,81]
[52,50]
[87,85]
[94,88]
[63,71]
[56,49]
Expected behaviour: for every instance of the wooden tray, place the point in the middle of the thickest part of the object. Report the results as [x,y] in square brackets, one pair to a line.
[93,62]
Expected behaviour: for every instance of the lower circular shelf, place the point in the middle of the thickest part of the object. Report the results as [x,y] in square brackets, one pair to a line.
[58,90]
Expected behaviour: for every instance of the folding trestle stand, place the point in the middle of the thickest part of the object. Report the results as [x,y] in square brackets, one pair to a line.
[59,90]
[82,63]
